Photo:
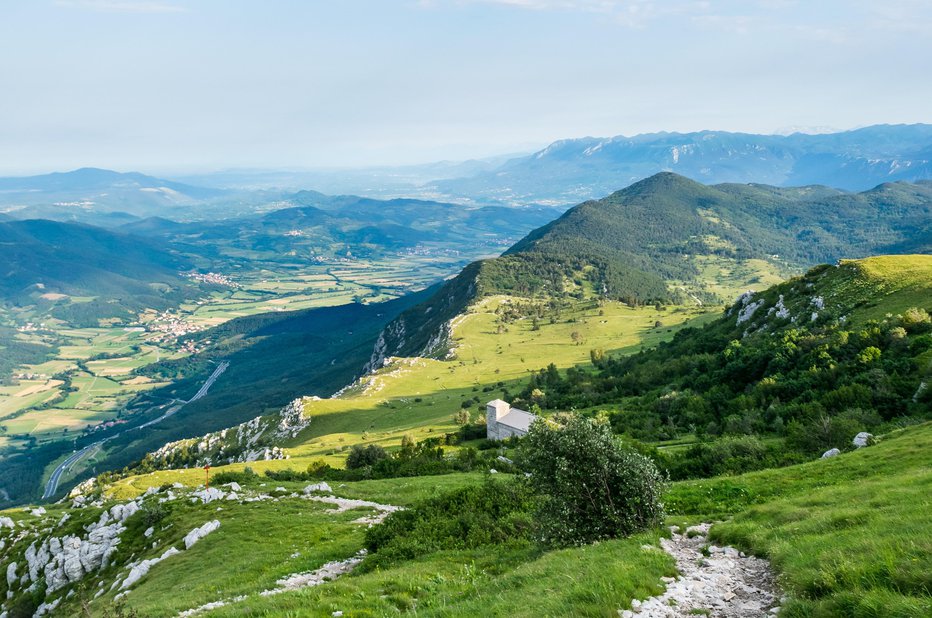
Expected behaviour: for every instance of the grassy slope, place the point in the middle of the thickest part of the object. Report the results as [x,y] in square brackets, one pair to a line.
[849,536]
[386,408]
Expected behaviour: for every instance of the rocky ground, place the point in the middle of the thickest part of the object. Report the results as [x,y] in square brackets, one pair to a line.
[720,581]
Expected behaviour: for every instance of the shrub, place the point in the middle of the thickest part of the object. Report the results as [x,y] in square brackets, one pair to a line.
[730,455]
[246,476]
[591,486]
[496,512]
[152,514]
[361,456]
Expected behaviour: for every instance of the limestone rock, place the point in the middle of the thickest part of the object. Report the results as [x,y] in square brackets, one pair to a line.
[832,452]
[322,486]
[199,533]
[862,439]
[208,495]
[138,571]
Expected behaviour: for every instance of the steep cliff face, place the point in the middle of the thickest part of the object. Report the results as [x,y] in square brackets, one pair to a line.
[424,329]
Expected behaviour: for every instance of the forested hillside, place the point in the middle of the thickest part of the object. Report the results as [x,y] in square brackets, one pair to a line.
[814,361]
[114,273]
[652,242]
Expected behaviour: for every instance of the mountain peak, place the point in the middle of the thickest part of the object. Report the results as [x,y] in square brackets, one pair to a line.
[665,182]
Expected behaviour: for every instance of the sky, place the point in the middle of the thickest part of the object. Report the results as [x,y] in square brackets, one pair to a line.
[198,85]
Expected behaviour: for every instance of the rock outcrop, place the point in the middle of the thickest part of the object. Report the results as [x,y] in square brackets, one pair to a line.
[258,439]
[199,533]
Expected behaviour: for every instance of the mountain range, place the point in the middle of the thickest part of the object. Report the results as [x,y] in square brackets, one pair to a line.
[572,170]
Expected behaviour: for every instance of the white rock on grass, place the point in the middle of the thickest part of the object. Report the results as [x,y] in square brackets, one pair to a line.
[207,495]
[138,571]
[862,439]
[318,487]
[329,571]
[199,533]
[832,452]
[6,521]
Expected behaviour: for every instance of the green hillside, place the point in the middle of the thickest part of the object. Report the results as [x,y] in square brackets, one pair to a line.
[45,261]
[670,239]
[812,361]
[847,537]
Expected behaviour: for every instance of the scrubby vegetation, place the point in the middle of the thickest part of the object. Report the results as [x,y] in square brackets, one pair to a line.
[493,513]
[813,381]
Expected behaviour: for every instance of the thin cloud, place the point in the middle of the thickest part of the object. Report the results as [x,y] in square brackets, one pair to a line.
[121,6]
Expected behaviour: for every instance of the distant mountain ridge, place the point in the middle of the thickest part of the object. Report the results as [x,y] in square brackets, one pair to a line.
[93,179]
[573,170]
[100,197]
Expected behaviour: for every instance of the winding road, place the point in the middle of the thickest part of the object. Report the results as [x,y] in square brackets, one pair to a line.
[52,485]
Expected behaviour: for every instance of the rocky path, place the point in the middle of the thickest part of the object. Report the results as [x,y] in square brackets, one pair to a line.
[725,584]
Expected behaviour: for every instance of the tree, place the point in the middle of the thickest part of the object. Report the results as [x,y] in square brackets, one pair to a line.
[591,486]
[361,456]
[462,417]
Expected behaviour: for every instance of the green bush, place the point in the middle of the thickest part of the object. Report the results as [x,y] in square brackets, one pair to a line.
[592,487]
[729,455]
[246,476]
[362,456]
[496,512]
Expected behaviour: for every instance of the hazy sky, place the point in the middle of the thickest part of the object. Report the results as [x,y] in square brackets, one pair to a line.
[169,85]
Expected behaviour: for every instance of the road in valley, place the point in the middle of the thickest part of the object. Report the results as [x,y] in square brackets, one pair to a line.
[52,485]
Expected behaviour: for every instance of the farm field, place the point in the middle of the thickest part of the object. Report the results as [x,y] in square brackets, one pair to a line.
[90,380]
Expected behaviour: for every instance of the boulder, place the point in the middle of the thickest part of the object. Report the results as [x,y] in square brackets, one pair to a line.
[209,495]
[138,571]
[862,439]
[832,452]
[323,486]
[6,521]
[199,533]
